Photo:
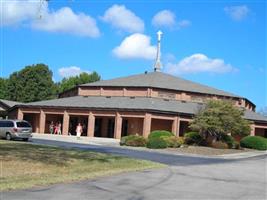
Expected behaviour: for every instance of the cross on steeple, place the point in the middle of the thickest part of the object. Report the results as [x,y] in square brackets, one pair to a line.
[158,64]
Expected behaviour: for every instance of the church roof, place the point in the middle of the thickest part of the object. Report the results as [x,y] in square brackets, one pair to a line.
[9,103]
[162,81]
[130,104]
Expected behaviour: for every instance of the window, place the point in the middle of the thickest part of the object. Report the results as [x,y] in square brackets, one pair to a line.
[6,124]
[166,95]
[23,125]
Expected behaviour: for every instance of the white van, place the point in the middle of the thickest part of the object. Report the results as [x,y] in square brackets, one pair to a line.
[15,129]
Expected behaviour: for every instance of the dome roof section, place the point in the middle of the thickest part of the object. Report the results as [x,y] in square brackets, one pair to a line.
[162,81]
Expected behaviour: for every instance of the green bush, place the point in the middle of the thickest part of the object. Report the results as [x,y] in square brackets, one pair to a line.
[254,142]
[156,143]
[219,145]
[193,138]
[229,140]
[133,140]
[236,145]
[173,141]
[159,133]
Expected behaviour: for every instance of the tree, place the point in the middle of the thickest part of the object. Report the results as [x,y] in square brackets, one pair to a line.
[3,88]
[219,118]
[33,83]
[71,82]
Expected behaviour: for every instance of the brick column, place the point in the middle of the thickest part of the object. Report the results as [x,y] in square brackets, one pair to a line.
[42,122]
[176,126]
[66,121]
[20,114]
[147,125]
[91,125]
[252,131]
[118,126]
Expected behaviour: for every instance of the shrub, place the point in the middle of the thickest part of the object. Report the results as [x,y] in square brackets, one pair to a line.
[159,133]
[181,140]
[219,145]
[156,143]
[173,141]
[254,142]
[193,138]
[236,145]
[229,140]
[133,140]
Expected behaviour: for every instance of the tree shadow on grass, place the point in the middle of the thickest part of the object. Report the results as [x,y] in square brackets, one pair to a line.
[10,150]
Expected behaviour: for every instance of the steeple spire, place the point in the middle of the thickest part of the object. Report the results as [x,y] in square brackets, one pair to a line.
[158,64]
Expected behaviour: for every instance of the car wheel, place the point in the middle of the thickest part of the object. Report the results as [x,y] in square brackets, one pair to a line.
[8,136]
[25,139]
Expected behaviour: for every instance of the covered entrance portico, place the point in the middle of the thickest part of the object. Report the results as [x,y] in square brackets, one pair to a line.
[107,124]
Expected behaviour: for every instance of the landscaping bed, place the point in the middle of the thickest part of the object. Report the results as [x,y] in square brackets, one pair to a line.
[208,151]
[24,165]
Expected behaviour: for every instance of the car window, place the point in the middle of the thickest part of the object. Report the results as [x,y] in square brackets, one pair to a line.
[6,124]
[9,124]
[23,124]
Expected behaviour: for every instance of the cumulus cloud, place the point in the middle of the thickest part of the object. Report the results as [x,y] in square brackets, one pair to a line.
[237,13]
[71,71]
[14,12]
[65,20]
[167,18]
[38,16]
[198,63]
[164,18]
[123,19]
[136,46]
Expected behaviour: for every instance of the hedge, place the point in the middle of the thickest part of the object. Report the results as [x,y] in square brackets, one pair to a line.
[159,133]
[254,142]
[229,140]
[193,138]
[156,143]
[133,140]
[173,141]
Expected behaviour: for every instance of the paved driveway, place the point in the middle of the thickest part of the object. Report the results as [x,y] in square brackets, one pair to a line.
[184,178]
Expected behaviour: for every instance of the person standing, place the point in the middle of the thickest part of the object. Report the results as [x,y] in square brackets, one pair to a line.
[56,129]
[51,127]
[59,128]
[79,130]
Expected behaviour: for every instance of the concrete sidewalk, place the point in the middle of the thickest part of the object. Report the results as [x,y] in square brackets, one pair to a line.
[111,142]
[82,140]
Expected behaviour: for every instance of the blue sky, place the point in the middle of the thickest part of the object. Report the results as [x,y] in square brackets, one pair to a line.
[218,43]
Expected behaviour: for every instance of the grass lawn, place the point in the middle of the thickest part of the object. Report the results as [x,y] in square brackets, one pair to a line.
[24,165]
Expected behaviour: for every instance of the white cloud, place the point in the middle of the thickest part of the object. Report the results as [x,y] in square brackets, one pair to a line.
[71,71]
[38,16]
[124,19]
[198,63]
[136,46]
[184,23]
[14,12]
[164,18]
[167,18]
[65,20]
[237,13]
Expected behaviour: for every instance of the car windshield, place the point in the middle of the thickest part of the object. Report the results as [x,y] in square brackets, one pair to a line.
[23,124]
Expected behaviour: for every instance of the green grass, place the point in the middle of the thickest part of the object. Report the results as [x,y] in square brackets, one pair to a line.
[24,165]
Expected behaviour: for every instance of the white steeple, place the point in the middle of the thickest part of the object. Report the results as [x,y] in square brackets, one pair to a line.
[158,64]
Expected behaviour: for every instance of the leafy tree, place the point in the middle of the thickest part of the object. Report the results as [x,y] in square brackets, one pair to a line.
[33,83]
[68,83]
[219,118]
[3,88]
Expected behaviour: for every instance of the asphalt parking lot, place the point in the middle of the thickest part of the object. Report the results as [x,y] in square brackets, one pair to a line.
[184,178]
